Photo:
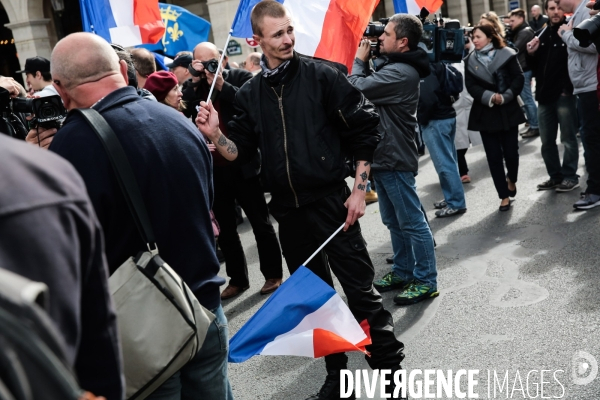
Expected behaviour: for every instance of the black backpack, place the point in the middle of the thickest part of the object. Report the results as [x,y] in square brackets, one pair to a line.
[451,81]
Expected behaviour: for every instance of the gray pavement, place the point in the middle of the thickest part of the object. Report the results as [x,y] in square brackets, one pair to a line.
[520,292]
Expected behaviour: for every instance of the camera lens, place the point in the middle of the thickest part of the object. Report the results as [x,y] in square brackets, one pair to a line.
[212,66]
[22,105]
[48,111]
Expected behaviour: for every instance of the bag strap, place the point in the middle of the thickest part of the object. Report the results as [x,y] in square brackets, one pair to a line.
[123,171]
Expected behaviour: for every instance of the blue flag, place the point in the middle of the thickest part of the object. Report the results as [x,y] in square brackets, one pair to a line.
[242,28]
[184,30]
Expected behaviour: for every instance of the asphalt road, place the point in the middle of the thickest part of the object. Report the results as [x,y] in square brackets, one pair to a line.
[520,293]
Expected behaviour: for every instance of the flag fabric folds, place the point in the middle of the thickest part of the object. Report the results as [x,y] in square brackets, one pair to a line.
[414,6]
[328,29]
[304,317]
[184,30]
[126,22]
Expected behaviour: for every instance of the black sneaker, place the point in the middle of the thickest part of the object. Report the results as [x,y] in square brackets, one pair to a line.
[531,133]
[567,186]
[587,201]
[549,185]
[331,388]
[440,204]
[449,212]
[389,260]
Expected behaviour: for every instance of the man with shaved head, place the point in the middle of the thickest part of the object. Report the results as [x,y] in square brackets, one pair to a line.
[235,183]
[538,19]
[253,63]
[173,169]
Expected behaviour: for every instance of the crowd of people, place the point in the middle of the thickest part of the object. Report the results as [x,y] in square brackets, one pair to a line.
[295,127]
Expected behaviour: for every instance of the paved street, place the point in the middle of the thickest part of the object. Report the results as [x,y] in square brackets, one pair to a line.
[520,291]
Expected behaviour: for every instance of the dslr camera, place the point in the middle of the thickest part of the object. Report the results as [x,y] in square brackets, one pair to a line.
[210,65]
[588,31]
[376,30]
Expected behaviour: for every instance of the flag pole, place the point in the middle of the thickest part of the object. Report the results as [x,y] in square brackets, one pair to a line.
[323,245]
[212,87]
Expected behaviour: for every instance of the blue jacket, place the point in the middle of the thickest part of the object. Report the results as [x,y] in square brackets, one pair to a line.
[172,165]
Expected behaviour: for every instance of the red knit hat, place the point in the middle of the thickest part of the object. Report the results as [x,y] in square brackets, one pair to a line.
[161,83]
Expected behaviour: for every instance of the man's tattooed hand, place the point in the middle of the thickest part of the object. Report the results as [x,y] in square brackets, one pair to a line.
[364,176]
[222,140]
[361,187]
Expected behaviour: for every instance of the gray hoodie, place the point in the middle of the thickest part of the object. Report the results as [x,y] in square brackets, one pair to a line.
[583,61]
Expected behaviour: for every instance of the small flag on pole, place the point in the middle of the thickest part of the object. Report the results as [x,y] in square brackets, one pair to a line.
[126,22]
[304,317]
[328,29]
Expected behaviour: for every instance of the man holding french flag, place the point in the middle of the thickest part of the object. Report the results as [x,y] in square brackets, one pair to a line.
[306,119]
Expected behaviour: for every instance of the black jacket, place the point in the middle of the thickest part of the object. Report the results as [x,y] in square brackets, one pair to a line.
[306,127]
[433,104]
[520,37]
[550,67]
[538,24]
[482,83]
[173,168]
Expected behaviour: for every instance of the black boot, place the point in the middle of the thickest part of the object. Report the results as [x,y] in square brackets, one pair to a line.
[331,388]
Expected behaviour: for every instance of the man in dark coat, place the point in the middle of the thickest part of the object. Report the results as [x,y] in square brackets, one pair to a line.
[234,182]
[538,20]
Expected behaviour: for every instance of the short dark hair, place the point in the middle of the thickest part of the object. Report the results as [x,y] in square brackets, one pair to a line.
[47,76]
[143,61]
[408,26]
[546,3]
[491,33]
[265,8]
[518,12]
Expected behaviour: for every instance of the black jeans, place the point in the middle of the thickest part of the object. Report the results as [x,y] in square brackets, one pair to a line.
[230,186]
[463,168]
[500,148]
[587,105]
[302,231]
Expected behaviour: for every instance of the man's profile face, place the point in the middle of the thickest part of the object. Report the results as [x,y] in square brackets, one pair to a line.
[277,39]
[555,14]
[35,82]
[515,21]
[388,41]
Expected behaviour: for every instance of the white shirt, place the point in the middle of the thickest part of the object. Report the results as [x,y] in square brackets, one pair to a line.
[49,90]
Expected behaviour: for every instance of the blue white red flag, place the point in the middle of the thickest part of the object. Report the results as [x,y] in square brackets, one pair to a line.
[414,6]
[125,22]
[304,317]
[328,29]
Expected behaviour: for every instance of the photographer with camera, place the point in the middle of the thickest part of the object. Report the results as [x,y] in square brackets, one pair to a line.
[394,89]
[234,182]
[548,58]
[521,35]
[583,63]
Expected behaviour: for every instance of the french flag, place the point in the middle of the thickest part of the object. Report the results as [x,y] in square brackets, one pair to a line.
[328,29]
[125,22]
[304,317]
[414,6]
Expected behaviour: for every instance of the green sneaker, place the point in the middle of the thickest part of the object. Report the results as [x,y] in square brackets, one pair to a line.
[390,281]
[414,293]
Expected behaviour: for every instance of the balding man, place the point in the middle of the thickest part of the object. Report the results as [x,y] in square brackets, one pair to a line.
[538,20]
[144,65]
[173,172]
[235,183]
[253,63]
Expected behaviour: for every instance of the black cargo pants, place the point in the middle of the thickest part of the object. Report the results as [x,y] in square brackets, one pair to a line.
[301,232]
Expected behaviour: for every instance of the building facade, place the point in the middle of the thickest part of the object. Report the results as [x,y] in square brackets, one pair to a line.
[32,27]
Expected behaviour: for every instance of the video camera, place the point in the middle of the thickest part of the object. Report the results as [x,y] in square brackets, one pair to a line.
[588,31]
[443,40]
[49,113]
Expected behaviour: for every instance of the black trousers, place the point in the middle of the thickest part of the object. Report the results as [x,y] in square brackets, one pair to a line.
[587,104]
[463,168]
[230,186]
[302,231]
[500,148]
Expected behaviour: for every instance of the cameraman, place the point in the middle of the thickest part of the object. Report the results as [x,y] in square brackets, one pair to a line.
[521,35]
[394,89]
[583,63]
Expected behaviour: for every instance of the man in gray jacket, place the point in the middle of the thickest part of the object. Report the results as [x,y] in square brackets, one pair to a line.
[394,89]
[583,63]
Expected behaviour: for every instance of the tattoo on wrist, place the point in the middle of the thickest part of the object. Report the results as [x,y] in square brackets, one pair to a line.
[231,148]
[361,187]
[364,176]
[222,140]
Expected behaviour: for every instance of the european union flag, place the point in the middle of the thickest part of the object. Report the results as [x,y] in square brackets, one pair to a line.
[184,30]
[242,28]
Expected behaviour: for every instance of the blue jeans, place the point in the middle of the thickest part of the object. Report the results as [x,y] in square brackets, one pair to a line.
[564,112]
[438,136]
[205,376]
[412,240]
[527,97]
